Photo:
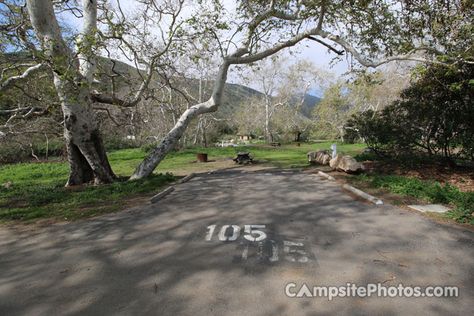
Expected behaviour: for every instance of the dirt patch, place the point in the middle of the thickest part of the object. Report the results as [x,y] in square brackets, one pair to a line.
[198,167]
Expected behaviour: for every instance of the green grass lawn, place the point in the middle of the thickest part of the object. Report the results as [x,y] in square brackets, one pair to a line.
[38,191]
[286,156]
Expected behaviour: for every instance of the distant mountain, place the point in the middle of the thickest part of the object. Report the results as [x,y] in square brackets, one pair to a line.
[234,96]
[310,102]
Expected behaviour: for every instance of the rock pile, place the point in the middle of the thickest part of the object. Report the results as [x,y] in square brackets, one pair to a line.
[341,163]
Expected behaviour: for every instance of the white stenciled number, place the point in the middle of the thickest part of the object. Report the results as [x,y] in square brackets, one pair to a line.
[295,251]
[234,236]
[210,231]
[274,257]
[253,234]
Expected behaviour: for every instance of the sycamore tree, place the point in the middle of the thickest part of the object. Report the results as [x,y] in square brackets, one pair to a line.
[333,111]
[37,26]
[267,76]
[371,32]
[377,89]
[284,88]
[50,49]
[362,91]
[294,95]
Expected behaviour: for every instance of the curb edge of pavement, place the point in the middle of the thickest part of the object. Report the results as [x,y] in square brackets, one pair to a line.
[363,195]
[170,189]
[355,191]
[325,175]
[161,195]
[187,178]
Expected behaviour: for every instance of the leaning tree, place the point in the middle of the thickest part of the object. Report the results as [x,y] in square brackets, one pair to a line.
[370,33]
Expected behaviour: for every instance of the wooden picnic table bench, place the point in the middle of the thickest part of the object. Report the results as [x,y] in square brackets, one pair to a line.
[243,158]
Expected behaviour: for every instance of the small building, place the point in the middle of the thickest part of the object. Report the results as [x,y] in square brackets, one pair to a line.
[244,137]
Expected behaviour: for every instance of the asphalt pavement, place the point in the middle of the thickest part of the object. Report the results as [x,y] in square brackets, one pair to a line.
[230,243]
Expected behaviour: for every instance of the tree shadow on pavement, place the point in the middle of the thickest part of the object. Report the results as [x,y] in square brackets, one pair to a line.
[155,260]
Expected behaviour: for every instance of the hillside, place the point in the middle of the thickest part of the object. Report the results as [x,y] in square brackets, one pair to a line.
[235,95]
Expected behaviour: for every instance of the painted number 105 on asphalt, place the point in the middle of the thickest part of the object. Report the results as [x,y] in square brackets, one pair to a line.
[251,232]
[256,238]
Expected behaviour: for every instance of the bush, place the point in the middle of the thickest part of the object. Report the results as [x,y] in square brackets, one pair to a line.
[55,148]
[464,210]
[435,115]
[13,151]
[117,143]
[147,148]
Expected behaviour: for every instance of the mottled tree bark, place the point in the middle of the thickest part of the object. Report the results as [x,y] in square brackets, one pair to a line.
[86,153]
[149,164]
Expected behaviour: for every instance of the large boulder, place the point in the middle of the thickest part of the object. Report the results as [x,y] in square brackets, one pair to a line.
[346,164]
[350,165]
[321,157]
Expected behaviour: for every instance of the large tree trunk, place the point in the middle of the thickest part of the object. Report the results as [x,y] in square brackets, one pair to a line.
[80,168]
[298,136]
[86,153]
[149,164]
[86,41]
[268,134]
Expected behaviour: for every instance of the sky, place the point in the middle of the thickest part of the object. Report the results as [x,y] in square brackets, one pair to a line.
[320,57]
[308,50]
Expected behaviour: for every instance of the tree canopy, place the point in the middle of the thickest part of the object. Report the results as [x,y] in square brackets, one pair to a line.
[161,38]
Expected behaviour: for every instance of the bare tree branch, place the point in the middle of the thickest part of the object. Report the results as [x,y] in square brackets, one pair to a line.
[237,59]
[24,75]
[410,56]
[338,52]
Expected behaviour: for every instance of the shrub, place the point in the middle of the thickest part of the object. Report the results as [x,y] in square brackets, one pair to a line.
[12,151]
[435,115]
[55,148]
[116,143]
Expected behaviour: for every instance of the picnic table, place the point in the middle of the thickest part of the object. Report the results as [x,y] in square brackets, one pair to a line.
[243,158]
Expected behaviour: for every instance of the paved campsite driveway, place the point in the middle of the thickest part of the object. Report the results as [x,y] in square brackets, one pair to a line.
[155,260]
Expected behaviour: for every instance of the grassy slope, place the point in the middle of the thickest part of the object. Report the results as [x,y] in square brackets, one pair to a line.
[37,189]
